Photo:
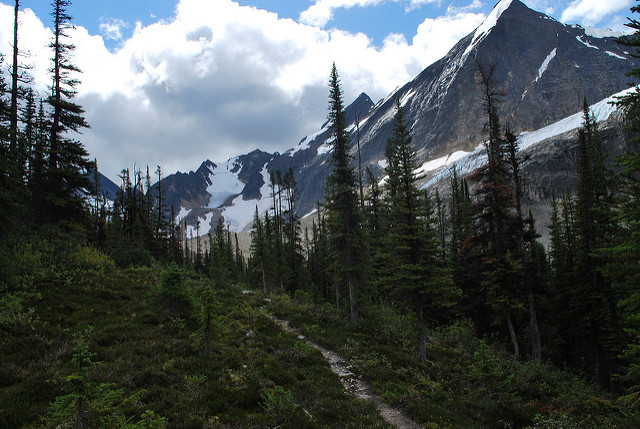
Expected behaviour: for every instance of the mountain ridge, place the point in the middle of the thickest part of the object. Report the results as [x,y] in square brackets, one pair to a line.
[546,69]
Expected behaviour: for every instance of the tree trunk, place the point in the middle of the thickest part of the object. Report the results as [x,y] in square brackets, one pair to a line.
[264,279]
[335,283]
[207,335]
[14,87]
[353,305]
[514,339]
[81,413]
[534,331]
[422,338]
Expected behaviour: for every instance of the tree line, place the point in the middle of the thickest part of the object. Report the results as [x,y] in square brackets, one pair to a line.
[44,170]
[476,255]
[48,182]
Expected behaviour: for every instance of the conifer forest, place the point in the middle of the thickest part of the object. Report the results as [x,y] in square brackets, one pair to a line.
[448,304]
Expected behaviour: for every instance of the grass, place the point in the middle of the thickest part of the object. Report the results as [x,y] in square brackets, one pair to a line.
[466,382]
[151,366]
[255,376]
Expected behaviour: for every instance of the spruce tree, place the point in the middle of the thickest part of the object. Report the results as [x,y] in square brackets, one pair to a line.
[7,194]
[412,256]
[344,218]
[259,250]
[497,227]
[626,250]
[15,70]
[594,300]
[28,135]
[68,164]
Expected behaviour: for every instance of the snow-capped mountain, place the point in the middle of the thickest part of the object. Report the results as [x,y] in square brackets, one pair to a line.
[545,68]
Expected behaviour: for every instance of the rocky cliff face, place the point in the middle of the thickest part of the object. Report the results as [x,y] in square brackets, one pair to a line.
[545,68]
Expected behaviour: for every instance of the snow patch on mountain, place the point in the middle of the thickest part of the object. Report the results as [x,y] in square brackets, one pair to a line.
[405,98]
[469,162]
[240,213]
[615,55]
[464,165]
[224,183]
[305,143]
[325,147]
[587,44]
[311,213]
[545,64]
[203,229]
[444,161]
[488,24]
[602,33]
[601,111]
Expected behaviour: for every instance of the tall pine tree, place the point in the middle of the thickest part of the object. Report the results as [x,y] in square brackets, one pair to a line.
[344,217]
[411,254]
[496,221]
[627,248]
[68,164]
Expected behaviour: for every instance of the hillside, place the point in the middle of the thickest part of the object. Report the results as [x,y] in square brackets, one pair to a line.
[142,329]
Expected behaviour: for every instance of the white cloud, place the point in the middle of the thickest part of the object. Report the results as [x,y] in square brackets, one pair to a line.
[475,5]
[416,4]
[111,28]
[321,12]
[33,40]
[220,79]
[591,12]
[437,36]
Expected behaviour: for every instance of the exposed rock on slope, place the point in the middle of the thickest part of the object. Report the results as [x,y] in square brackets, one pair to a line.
[546,69]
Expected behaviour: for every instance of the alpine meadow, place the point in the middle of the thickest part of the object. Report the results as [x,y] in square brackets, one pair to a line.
[463,253]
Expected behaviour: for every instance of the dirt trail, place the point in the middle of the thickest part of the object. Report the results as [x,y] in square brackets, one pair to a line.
[353,383]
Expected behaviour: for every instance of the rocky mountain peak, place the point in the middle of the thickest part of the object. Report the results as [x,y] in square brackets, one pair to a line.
[545,68]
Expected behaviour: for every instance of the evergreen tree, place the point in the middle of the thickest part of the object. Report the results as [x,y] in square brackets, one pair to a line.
[7,192]
[293,253]
[38,159]
[562,255]
[86,403]
[460,218]
[594,300]
[15,76]
[28,135]
[68,164]
[318,262]
[207,319]
[496,220]
[412,256]
[344,218]
[626,251]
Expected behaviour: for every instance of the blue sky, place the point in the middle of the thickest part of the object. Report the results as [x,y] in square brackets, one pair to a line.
[375,18]
[174,82]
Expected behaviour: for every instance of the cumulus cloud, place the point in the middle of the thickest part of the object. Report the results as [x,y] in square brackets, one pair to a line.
[591,12]
[220,79]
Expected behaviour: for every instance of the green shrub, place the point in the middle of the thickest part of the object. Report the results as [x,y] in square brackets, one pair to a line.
[172,297]
[88,258]
[15,316]
[279,408]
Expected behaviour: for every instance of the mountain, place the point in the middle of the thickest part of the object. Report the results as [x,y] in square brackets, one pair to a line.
[233,189]
[106,187]
[545,68]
